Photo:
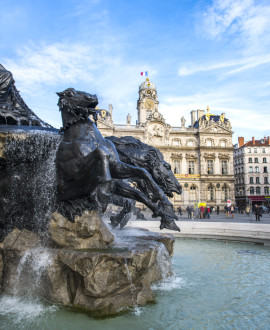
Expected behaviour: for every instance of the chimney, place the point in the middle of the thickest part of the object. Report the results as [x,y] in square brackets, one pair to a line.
[241,141]
[200,113]
[253,140]
[268,140]
[192,117]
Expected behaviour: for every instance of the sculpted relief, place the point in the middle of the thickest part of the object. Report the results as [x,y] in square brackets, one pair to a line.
[156,133]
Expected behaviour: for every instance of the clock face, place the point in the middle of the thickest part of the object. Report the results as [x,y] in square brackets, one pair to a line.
[149,103]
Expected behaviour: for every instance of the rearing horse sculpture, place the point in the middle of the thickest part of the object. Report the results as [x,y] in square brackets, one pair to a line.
[88,166]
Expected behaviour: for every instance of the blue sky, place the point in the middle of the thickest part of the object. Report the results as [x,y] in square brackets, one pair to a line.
[198,53]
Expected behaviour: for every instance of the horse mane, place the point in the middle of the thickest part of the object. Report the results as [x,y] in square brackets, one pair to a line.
[124,144]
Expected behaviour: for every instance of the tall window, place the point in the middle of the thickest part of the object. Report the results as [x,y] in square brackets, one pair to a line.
[258,190]
[255,150]
[209,143]
[250,160]
[265,169]
[250,169]
[223,144]
[224,167]
[263,150]
[249,150]
[210,193]
[257,169]
[251,180]
[264,160]
[176,142]
[266,179]
[251,190]
[256,160]
[258,180]
[225,193]
[210,166]
[190,143]
[191,167]
[176,167]
[192,193]
[266,190]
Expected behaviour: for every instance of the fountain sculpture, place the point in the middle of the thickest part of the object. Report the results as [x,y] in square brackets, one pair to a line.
[54,189]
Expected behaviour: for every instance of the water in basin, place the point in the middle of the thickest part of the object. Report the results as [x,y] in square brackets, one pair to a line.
[216,285]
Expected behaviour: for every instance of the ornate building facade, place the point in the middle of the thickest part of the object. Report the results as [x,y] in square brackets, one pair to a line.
[251,167]
[201,155]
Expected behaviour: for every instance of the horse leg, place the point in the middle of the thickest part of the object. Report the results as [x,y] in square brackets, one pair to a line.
[121,188]
[121,170]
[104,155]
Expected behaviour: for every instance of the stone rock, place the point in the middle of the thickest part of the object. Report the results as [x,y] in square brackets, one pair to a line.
[102,280]
[1,270]
[87,232]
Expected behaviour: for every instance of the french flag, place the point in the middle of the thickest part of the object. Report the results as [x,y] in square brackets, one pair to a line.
[144,73]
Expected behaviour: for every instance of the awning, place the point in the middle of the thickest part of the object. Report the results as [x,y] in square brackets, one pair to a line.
[257,198]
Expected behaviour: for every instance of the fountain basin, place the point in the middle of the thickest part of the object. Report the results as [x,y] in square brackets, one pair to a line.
[102,279]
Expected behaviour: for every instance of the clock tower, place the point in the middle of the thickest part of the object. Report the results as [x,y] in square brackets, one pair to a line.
[147,103]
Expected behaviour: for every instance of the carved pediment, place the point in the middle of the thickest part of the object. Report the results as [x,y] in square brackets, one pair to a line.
[223,156]
[176,156]
[209,155]
[191,156]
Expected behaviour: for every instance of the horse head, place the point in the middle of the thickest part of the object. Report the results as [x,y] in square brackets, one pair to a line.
[76,105]
[162,173]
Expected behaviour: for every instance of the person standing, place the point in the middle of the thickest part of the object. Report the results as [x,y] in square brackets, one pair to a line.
[180,211]
[202,211]
[258,212]
[247,210]
[189,211]
[232,211]
[208,212]
[217,210]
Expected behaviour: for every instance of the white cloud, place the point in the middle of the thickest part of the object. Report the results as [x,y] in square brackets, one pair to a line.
[40,70]
[238,65]
[247,20]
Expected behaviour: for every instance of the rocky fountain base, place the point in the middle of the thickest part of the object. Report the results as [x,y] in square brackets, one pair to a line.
[83,264]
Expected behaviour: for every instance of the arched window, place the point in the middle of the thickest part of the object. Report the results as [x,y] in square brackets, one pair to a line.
[225,193]
[256,160]
[250,169]
[176,142]
[193,193]
[210,193]
[257,169]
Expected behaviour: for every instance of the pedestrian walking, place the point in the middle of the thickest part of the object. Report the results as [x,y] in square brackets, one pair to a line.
[217,210]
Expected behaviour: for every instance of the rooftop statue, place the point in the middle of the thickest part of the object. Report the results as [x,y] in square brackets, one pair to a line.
[89,170]
[13,110]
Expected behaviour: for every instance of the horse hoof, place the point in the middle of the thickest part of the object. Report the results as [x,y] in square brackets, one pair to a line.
[169,224]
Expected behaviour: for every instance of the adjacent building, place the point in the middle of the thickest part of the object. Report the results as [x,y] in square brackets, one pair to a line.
[251,168]
[200,154]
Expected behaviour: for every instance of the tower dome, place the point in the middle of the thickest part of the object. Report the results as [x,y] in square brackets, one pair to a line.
[147,85]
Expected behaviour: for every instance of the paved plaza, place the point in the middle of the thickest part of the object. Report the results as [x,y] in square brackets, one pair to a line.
[238,218]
